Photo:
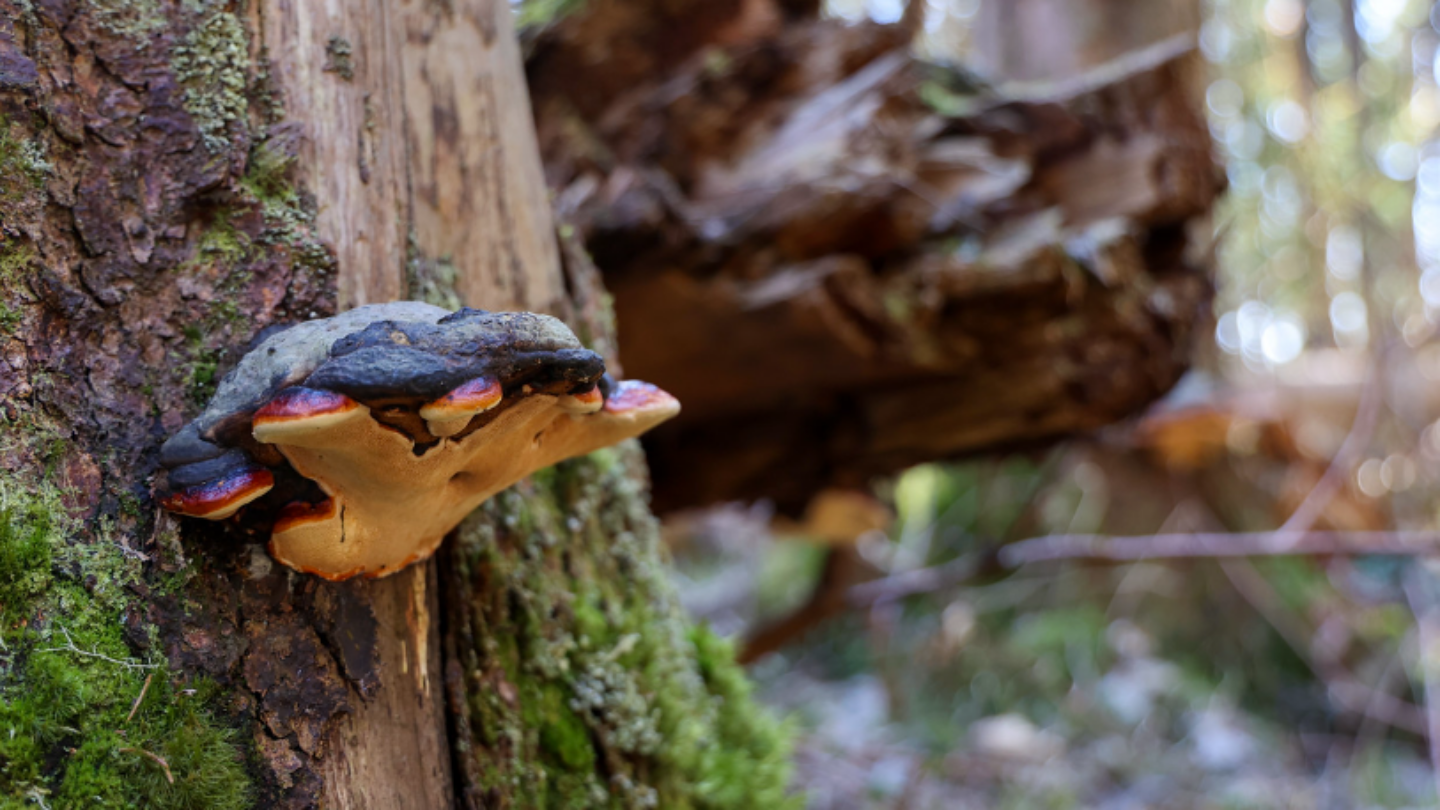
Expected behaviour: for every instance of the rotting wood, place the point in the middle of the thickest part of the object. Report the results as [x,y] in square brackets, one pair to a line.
[881,261]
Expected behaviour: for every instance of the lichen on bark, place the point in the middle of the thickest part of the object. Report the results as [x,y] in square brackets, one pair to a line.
[571,658]
[213,64]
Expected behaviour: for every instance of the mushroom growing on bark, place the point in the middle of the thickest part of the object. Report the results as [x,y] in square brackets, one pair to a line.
[379,429]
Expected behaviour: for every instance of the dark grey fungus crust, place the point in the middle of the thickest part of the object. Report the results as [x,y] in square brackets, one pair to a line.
[393,358]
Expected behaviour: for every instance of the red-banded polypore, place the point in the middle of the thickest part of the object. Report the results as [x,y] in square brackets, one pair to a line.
[379,429]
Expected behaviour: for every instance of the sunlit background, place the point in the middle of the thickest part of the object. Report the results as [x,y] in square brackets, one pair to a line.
[1257,681]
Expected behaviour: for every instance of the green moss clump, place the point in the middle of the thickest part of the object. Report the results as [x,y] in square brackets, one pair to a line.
[747,764]
[26,527]
[84,723]
[202,366]
[15,258]
[211,65]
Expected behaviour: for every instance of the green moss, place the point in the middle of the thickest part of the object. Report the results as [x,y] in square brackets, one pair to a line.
[221,244]
[83,722]
[211,65]
[23,169]
[26,527]
[746,764]
[563,736]
[201,367]
[15,258]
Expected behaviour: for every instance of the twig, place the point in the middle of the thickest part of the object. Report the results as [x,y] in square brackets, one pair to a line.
[136,706]
[1352,695]
[1362,430]
[1240,544]
[1176,545]
[919,580]
[1427,628]
[70,647]
[169,777]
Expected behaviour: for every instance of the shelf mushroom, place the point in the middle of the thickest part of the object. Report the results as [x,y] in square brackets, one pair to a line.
[385,425]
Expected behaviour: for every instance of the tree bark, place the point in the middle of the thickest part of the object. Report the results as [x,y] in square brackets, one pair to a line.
[174,178]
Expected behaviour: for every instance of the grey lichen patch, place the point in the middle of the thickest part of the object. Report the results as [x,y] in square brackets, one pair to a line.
[339,58]
[15,259]
[606,675]
[129,19]
[431,280]
[211,65]
[24,166]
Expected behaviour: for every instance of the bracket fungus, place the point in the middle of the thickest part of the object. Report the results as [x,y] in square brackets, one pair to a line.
[373,433]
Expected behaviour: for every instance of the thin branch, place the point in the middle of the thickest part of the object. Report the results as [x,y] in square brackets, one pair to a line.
[1352,695]
[1240,544]
[1362,430]
[1427,626]
[136,706]
[70,647]
[169,777]
[916,581]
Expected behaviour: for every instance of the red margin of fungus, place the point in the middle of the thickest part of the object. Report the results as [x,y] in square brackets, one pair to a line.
[480,394]
[591,397]
[303,403]
[633,395]
[217,496]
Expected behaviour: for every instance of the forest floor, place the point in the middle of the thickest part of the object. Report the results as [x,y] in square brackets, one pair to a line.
[1150,685]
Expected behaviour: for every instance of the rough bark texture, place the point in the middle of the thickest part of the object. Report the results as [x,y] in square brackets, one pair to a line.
[880,261]
[174,178]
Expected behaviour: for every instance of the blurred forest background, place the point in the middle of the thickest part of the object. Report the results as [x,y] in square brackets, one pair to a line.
[1266,633]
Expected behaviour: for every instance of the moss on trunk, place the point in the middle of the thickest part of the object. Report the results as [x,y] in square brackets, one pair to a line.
[577,681]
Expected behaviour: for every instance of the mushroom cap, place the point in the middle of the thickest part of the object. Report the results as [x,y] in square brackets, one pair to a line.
[398,419]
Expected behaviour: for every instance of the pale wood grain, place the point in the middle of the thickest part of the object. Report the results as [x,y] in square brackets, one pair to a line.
[352,155]
[428,147]
[478,196]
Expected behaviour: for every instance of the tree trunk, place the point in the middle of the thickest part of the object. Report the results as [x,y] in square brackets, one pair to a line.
[174,178]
